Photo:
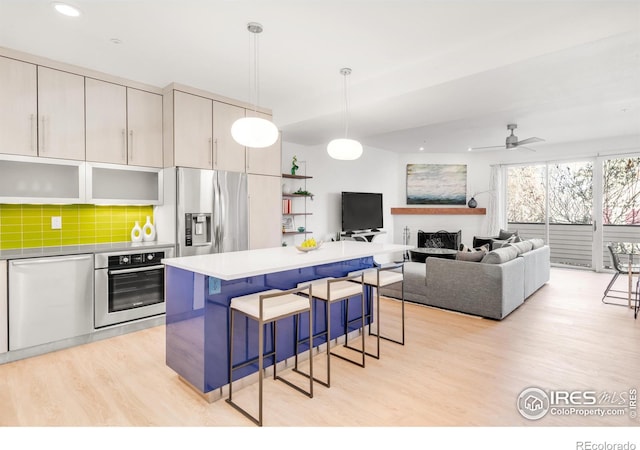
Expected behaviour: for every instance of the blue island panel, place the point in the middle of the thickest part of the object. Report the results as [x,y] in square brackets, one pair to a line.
[197,320]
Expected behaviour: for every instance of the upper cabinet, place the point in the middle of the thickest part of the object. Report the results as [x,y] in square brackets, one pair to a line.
[124,125]
[227,153]
[264,161]
[202,133]
[18,108]
[106,122]
[42,111]
[60,114]
[192,131]
[144,128]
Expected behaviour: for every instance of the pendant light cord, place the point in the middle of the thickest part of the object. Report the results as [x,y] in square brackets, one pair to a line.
[345,72]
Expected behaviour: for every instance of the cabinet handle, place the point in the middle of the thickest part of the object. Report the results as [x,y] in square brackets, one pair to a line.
[131,145]
[124,145]
[34,134]
[215,153]
[210,151]
[43,134]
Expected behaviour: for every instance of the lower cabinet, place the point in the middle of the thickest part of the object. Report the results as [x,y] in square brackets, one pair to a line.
[265,218]
[4,309]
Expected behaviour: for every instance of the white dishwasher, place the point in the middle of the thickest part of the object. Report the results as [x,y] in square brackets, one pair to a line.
[50,299]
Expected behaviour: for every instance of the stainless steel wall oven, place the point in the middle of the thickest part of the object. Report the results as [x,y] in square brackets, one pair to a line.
[129,285]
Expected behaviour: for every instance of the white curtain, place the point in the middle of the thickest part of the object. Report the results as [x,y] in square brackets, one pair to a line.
[497,210]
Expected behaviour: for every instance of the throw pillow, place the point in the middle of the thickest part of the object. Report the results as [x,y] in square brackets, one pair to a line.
[470,256]
[500,255]
[506,234]
[537,243]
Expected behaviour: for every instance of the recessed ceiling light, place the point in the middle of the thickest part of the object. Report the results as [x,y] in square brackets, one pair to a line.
[66,9]
[115,41]
[421,148]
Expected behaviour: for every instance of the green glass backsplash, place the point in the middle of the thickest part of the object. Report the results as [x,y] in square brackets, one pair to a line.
[28,226]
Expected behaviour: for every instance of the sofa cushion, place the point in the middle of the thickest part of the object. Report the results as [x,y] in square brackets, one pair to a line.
[536,243]
[470,256]
[522,246]
[500,255]
[506,234]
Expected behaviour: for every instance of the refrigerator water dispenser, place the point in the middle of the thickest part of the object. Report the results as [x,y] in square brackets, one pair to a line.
[197,229]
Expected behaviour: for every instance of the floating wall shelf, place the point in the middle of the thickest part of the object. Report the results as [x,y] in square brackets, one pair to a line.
[440,211]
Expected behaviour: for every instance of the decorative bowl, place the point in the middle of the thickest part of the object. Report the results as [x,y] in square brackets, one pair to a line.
[306,249]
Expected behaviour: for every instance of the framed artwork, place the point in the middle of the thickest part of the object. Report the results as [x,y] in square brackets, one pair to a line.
[287,224]
[436,184]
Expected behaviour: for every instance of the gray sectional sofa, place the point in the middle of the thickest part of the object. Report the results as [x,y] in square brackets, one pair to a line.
[491,288]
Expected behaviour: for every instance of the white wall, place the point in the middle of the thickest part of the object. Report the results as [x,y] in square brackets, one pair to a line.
[372,172]
[382,171]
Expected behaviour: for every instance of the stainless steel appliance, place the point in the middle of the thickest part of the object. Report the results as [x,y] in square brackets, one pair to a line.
[212,211]
[129,285]
[50,299]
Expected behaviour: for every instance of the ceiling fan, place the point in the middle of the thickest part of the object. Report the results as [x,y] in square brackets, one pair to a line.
[511,141]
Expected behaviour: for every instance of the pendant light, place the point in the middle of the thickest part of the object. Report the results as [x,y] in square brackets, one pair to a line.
[344,148]
[254,132]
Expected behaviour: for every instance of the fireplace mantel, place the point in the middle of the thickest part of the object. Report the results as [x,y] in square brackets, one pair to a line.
[439,211]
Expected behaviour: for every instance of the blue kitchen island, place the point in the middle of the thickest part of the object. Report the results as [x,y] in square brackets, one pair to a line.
[199,290]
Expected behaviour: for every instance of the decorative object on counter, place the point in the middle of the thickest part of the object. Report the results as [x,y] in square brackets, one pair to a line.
[345,148]
[294,165]
[148,231]
[254,131]
[308,245]
[136,233]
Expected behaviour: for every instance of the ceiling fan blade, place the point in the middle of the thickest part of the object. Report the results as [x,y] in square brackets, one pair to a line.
[475,149]
[530,140]
[526,148]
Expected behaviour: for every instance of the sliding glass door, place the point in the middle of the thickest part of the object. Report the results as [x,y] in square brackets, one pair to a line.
[578,207]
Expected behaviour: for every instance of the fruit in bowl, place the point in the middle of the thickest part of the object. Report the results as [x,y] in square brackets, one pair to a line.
[308,245]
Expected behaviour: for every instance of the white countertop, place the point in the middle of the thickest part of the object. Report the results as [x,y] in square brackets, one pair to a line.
[249,263]
[64,250]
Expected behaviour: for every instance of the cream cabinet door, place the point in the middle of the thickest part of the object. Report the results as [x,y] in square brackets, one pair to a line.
[264,161]
[144,125]
[60,114]
[193,131]
[265,217]
[106,122]
[227,153]
[18,108]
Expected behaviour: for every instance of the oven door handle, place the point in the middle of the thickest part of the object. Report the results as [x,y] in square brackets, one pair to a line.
[137,269]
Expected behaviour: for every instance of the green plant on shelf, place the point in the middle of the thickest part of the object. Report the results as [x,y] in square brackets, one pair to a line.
[300,191]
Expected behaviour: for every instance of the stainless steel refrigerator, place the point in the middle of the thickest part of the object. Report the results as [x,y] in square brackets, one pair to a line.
[212,211]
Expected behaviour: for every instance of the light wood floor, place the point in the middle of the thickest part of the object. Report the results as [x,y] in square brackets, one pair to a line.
[454,370]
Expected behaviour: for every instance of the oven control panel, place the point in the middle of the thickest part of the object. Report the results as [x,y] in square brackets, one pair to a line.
[135,259]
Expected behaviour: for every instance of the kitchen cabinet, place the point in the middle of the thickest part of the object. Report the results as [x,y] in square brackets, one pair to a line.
[264,161]
[18,108]
[227,153]
[123,125]
[50,299]
[144,128]
[202,133]
[4,309]
[106,122]
[192,131]
[265,220]
[60,114]
[114,184]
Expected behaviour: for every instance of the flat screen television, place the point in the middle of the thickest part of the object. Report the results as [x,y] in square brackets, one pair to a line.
[361,211]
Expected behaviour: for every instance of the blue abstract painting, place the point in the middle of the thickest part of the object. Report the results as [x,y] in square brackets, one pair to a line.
[436,184]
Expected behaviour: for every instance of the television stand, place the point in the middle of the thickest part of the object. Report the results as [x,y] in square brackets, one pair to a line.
[368,235]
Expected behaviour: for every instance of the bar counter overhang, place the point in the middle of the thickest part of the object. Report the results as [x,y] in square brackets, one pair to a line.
[199,289]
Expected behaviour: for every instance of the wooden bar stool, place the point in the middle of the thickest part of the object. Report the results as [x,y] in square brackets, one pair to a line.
[329,291]
[268,307]
[377,278]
